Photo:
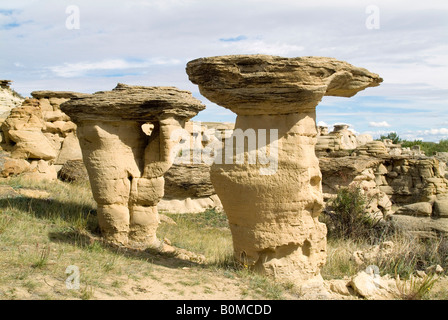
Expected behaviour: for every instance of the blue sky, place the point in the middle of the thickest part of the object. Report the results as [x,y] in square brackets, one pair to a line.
[149,43]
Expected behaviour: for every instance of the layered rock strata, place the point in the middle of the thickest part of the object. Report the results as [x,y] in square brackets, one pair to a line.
[126,161]
[39,130]
[273,214]
[339,140]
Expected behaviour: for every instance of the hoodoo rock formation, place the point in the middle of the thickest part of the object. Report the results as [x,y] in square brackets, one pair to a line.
[125,157]
[273,214]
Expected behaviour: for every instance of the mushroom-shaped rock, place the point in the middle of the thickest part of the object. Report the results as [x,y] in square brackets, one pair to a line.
[124,161]
[272,191]
[261,84]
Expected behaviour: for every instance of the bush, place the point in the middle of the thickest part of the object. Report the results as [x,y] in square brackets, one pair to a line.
[430,148]
[346,216]
[392,136]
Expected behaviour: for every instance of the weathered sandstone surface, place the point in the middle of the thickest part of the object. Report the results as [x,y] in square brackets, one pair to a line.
[38,130]
[126,161]
[8,100]
[188,189]
[273,212]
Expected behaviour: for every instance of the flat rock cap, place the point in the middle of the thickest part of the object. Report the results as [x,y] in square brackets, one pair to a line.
[137,103]
[263,84]
[46,94]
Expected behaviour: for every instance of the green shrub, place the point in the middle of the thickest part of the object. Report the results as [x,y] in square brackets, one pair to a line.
[430,148]
[392,136]
[346,216]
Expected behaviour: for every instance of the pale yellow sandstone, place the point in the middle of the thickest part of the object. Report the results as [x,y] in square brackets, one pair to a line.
[274,217]
[125,138]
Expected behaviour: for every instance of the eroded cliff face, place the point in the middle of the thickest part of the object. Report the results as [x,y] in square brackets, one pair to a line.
[273,214]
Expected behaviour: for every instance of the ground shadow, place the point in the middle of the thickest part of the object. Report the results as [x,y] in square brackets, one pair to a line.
[85,237]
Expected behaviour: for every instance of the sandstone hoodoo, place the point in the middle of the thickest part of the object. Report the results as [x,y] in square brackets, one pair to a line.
[126,162]
[273,214]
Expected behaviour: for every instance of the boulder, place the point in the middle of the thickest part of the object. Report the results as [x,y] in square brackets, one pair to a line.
[8,192]
[188,181]
[425,227]
[31,145]
[73,170]
[374,287]
[70,150]
[416,209]
[23,130]
[41,170]
[441,208]
[13,167]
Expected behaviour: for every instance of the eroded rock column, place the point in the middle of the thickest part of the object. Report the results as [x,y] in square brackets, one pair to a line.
[273,215]
[125,161]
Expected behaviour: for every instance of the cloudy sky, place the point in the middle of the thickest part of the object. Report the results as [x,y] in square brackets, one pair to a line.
[88,46]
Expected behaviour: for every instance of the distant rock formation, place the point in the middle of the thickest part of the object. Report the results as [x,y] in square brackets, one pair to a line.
[38,130]
[341,139]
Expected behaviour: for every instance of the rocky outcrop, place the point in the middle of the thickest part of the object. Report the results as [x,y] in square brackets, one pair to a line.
[340,139]
[188,188]
[372,148]
[39,130]
[59,129]
[126,141]
[355,172]
[273,208]
[411,190]
[9,100]
[408,180]
[23,131]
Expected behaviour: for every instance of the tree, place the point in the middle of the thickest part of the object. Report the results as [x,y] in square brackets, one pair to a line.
[392,136]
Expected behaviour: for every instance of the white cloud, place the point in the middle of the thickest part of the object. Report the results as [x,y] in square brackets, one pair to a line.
[263,47]
[68,70]
[410,50]
[441,131]
[382,124]
[322,124]
[434,135]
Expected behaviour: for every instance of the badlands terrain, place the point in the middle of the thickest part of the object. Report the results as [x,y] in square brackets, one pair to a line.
[65,236]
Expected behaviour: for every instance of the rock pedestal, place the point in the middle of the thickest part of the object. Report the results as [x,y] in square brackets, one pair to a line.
[273,214]
[125,164]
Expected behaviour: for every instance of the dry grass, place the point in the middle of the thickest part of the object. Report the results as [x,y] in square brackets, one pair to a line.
[339,264]
[41,237]
[206,233]
[416,288]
